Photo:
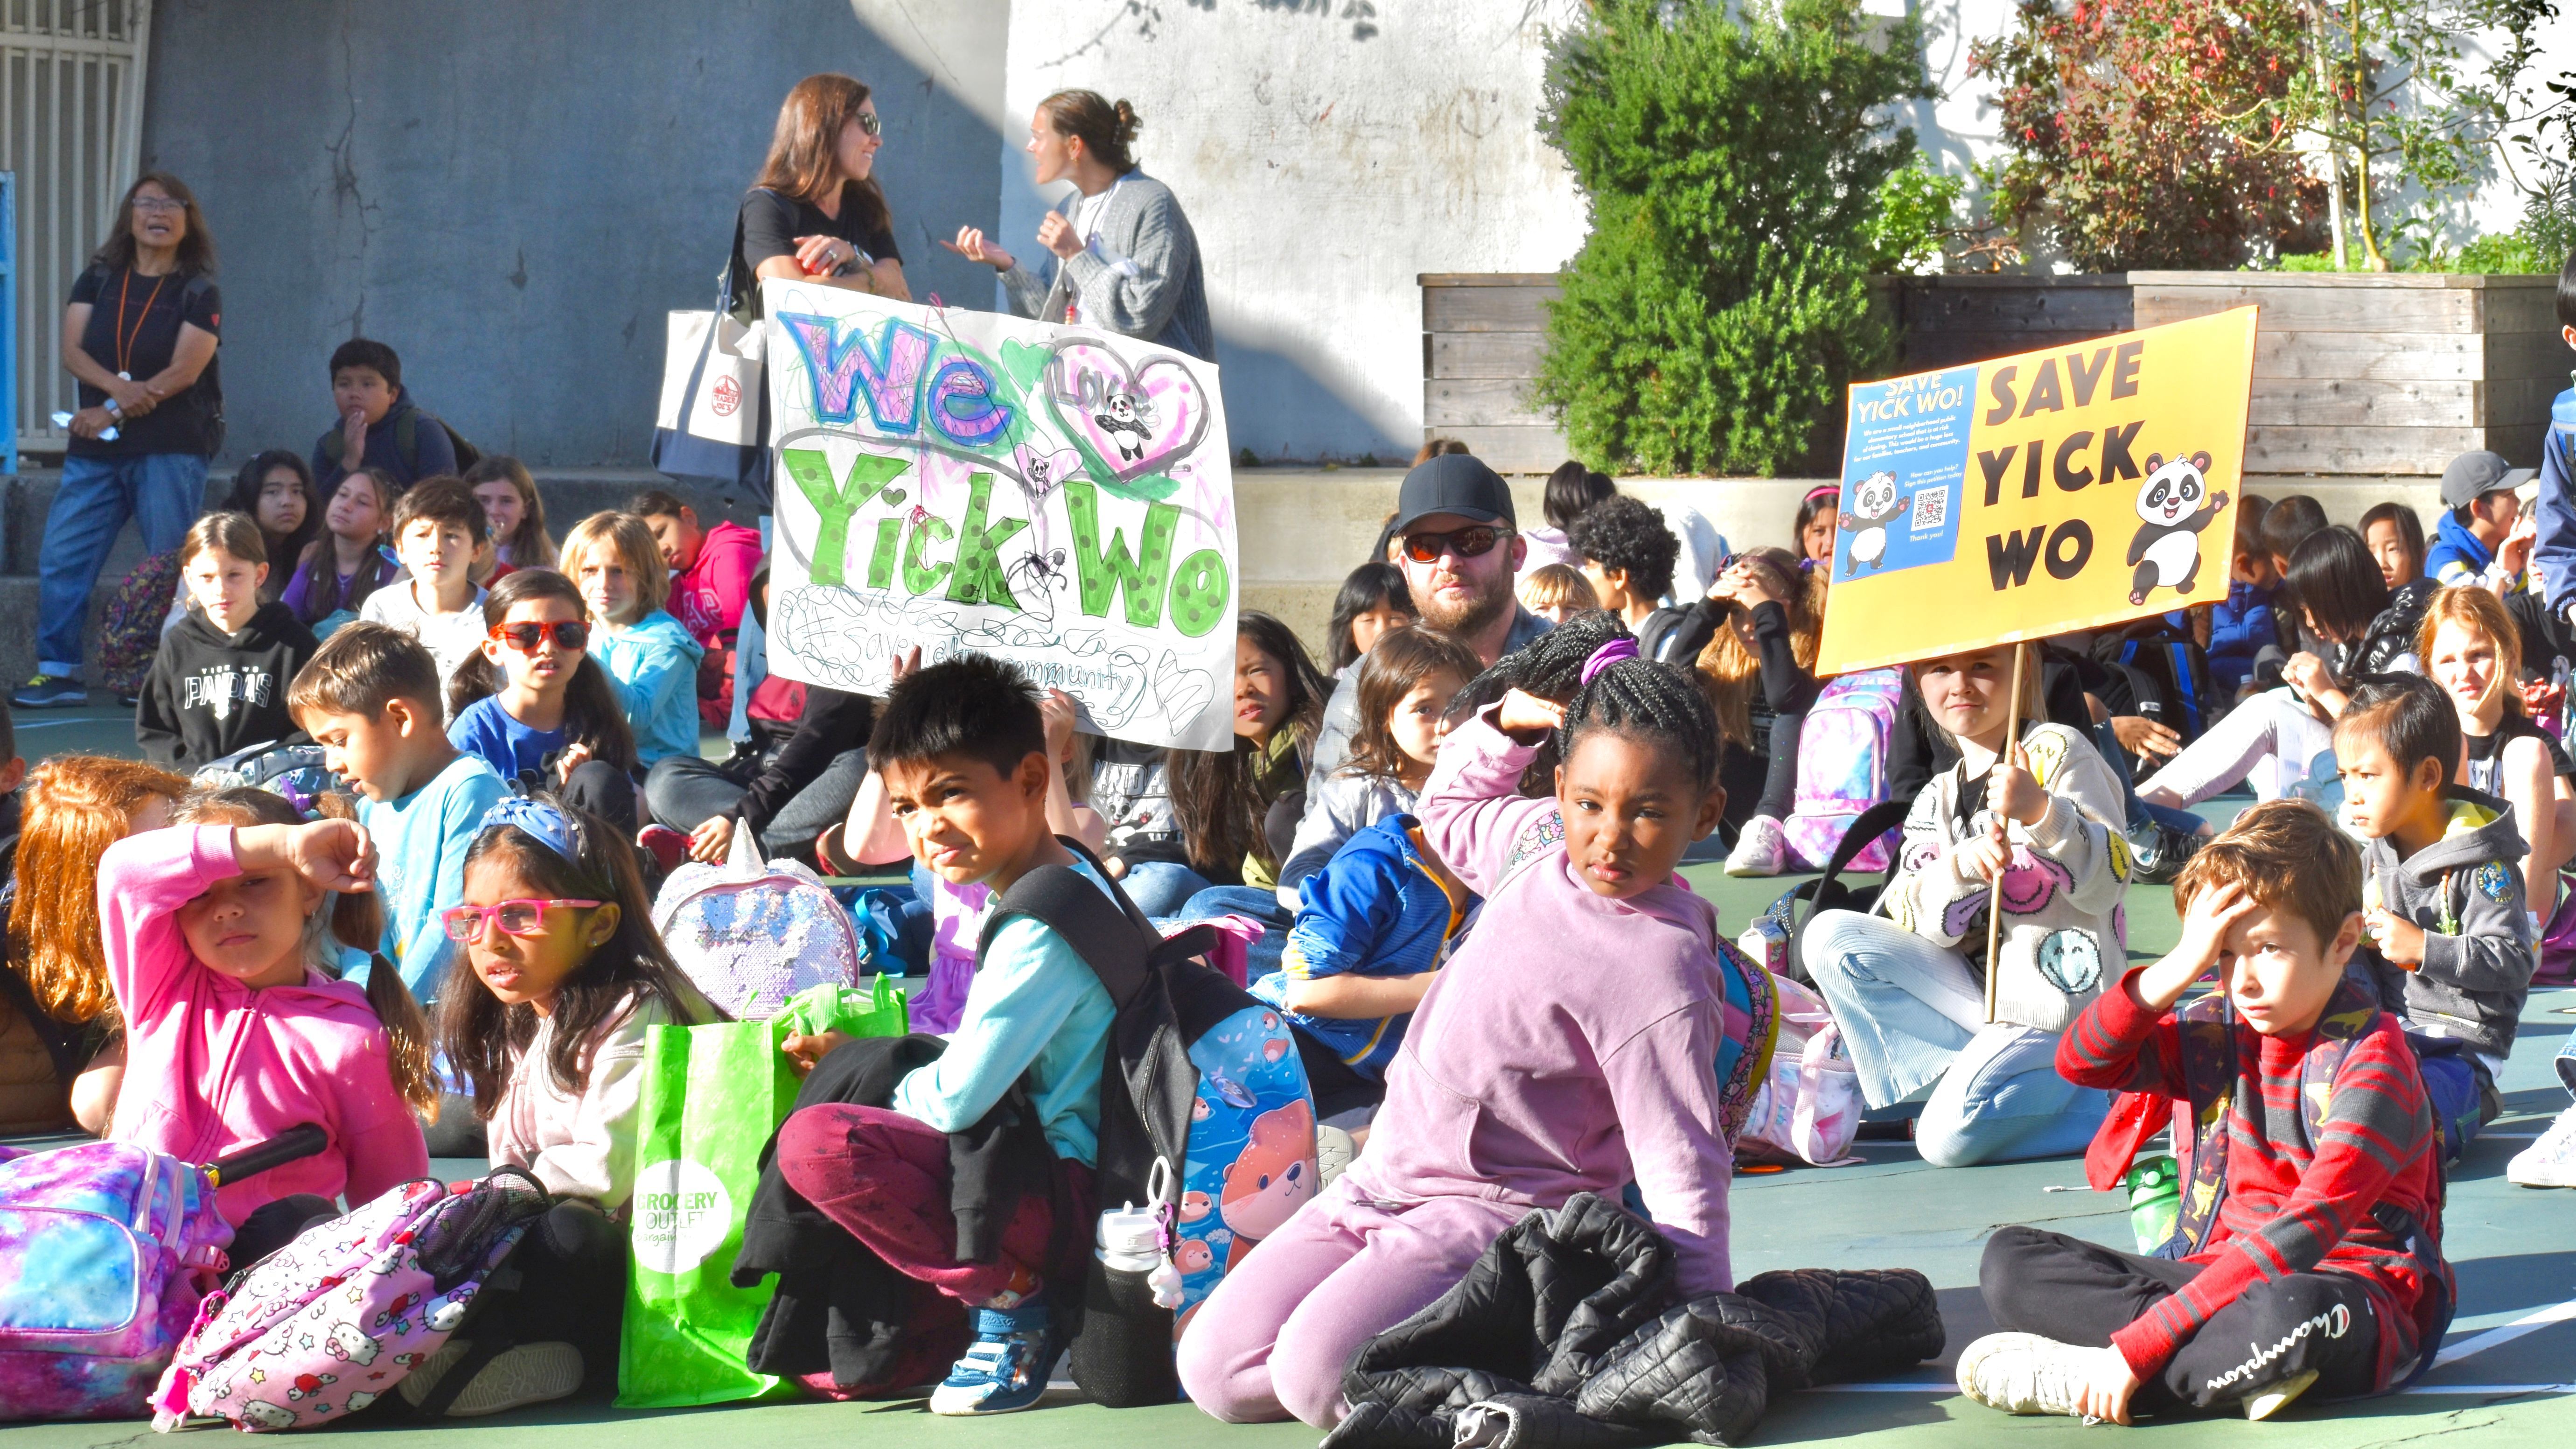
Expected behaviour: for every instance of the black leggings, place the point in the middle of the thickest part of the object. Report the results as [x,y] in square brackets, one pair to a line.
[1763,784]
[2081,1293]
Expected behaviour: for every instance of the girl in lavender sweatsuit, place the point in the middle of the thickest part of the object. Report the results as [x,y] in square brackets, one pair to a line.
[1599,1040]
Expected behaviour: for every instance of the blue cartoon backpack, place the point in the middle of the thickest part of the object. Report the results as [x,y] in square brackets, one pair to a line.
[1206,1120]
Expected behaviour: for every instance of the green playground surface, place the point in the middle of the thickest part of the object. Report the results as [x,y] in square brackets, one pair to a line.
[2506,1375]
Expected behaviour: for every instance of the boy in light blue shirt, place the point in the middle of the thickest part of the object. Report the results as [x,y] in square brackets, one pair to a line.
[370,696]
[961,747]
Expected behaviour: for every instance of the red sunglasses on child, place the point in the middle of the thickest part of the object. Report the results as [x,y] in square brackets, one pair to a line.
[569,634]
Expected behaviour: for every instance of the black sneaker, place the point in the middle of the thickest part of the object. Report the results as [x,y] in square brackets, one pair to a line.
[2162,852]
[50,691]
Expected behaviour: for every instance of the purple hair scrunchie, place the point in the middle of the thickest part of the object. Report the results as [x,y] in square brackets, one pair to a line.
[1607,655]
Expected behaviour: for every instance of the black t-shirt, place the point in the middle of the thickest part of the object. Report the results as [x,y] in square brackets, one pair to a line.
[772,222]
[2482,750]
[134,328]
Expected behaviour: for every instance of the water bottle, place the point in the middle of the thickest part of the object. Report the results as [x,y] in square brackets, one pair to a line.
[1130,1240]
[2155,1201]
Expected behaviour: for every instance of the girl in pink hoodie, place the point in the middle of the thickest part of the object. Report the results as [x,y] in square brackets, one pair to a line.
[1594,1034]
[218,933]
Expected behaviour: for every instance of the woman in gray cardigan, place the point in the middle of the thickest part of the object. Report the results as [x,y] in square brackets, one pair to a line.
[1123,255]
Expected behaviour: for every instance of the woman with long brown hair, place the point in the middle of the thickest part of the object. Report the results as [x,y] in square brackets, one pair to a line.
[817,214]
[1121,255]
[62,1045]
[139,334]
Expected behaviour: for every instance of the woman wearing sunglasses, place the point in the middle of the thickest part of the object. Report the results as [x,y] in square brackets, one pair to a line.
[1121,253]
[817,214]
[536,707]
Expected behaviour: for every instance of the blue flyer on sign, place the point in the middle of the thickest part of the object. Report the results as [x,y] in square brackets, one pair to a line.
[1905,462]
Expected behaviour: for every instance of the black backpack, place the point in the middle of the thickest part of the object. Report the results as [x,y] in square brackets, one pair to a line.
[1149,1087]
[1797,906]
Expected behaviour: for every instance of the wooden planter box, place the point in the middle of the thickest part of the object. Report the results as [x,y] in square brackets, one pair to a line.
[2373,381]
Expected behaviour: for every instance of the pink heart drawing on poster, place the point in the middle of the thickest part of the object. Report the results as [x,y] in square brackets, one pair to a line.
[1135,420]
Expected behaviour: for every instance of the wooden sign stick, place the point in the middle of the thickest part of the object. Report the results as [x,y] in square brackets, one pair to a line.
[1995,902]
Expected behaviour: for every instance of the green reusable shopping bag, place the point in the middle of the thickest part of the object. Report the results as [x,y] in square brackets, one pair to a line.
[713,1095]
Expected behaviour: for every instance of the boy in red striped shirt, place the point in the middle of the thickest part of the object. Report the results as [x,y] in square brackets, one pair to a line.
[2309,1255]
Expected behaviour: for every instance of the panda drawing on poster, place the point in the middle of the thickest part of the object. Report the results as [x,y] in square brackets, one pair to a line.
[1875,505]
[2174,504]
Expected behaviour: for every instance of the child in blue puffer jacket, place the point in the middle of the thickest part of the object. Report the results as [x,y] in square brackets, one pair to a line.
[2242,623]
[1377,921]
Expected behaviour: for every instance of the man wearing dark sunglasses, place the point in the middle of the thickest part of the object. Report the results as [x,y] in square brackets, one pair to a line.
[1460,552]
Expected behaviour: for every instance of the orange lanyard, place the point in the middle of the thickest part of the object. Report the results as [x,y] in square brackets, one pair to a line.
[125,340]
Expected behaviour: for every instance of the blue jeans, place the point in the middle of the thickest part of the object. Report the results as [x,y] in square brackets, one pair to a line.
[162,492]
[1160,887]
[1913,1015]
[1261,957]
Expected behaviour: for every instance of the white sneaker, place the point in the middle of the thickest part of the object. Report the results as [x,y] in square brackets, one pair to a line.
[2273,1400]
[1334,1150]
[2549,1162]
[2023,1373]
[1761,848]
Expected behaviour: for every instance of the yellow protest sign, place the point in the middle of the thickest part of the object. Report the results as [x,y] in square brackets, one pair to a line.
[2079,486]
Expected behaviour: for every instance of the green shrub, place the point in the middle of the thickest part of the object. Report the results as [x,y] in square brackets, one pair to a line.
[1916,211]
[1732,165]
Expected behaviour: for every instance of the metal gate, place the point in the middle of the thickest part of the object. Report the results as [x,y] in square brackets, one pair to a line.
[71,128]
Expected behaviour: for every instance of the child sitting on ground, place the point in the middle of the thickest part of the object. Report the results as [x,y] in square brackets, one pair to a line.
[370,698]
[219,682]
[961,746]
[339,571]
[220,939]
[711,571]
[2443,897]
[872,836]
[1406,683]
[516,511]
[76,806]
[1373,926]
[2310,1245]
[611,558]
[1373,600]
[2396,538]
[380,426]
[2471,647]
[1525,1083]
[437,527]
[1758,670]
[2241,625]
[1557,592]
[566,976]
[2483,539]
[535,706]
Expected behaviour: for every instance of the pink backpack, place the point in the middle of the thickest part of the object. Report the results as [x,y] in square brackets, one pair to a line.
[331,1322]
[1808,1108]
[1842,766]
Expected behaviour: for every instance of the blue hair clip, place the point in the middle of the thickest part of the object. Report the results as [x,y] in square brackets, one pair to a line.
[549,824]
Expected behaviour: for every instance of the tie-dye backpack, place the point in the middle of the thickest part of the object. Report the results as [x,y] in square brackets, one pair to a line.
[1842,767]
[105,1250]
[333,1321]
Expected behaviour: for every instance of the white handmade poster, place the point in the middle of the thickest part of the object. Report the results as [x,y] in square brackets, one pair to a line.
[1058,497]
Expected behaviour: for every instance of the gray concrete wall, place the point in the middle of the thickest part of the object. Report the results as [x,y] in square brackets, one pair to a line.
[1327,152]
[515,195]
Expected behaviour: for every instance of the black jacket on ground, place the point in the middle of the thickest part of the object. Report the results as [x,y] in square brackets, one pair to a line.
[211,693]
[1570,1334]
[838,1306]
[831,722]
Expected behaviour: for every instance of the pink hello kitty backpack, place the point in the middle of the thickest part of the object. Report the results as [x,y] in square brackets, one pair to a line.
[330,1323]
[1842,767]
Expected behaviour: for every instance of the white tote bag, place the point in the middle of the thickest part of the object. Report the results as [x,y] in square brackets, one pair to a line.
[712,423]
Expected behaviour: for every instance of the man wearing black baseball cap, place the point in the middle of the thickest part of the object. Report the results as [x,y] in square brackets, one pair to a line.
[2478,541]
[1460,553]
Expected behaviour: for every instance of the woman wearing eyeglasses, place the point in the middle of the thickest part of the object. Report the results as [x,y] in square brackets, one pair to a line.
[139,335]
[1121,254]
[817,214]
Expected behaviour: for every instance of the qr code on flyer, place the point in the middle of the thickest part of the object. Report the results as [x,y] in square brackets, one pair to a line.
[1931,509]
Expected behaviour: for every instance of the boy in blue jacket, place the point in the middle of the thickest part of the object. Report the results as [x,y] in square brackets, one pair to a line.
[380,426]
[1376,922]
[2241,623]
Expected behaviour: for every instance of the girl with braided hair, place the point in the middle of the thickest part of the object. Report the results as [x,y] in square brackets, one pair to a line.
[1908,987]
[1528,1083]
